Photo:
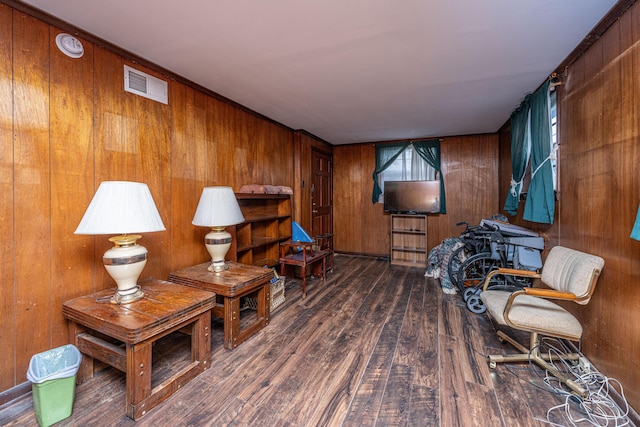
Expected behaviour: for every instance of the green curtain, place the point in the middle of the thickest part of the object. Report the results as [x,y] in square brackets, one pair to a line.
[520,148]
[385,155]
[540,203]
[430,152]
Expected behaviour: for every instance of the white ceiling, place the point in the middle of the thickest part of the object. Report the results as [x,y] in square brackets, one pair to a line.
[352,71]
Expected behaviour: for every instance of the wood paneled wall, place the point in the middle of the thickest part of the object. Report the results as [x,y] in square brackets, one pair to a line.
[470,170]
[599,192]
[67,125]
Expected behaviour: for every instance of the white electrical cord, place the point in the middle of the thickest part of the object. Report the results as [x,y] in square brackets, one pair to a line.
[597,409]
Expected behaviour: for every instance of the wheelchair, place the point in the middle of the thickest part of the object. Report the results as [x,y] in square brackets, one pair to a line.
[509,247]
[474,239]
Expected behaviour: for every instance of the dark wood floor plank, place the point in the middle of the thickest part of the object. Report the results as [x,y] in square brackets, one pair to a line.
[450,320]
[483,405]
[407,353]
[395,407]
[509,393]
[427,368]
[454,402]
[538,399]
[424,408]
[329,401]
[308,346]
[355,325]
[368,398]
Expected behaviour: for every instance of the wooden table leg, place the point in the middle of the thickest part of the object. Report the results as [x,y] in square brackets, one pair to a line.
[264,305]
[231,321]
[138,378]
[201,340]
[85,371]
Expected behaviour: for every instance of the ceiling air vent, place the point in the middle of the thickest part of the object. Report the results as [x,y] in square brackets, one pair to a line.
[145,85]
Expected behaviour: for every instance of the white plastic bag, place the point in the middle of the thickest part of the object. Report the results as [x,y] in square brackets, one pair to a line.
[61,362]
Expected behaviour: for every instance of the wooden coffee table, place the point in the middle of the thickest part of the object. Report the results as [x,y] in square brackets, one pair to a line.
[97,327]
[240,280]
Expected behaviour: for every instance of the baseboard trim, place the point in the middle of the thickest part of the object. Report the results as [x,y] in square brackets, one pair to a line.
[363,255]
[14,393]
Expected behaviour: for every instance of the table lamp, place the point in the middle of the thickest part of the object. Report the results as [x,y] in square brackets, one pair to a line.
[123,207]
[218,208]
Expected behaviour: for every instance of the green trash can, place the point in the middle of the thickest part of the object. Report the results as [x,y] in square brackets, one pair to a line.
[53,383]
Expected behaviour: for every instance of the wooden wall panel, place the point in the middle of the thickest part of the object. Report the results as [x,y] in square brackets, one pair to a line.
[109,141]
[599,189]
[71,138]
[7,282]
[32,189]
[148,155]
[611,92]
[185,191]
[470,170]
[469,165]
[359,226]
[68,125]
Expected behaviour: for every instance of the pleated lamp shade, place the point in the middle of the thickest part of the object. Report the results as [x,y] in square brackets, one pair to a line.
[122,208]
[218,208]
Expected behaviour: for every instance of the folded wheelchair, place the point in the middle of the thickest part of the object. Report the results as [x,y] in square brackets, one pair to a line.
[509,246]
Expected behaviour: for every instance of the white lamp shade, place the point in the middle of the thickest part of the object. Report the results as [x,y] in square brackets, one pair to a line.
[218,207]
[121,207]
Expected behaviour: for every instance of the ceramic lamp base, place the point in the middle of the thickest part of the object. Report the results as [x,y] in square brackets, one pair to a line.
[124,263]
[218,242]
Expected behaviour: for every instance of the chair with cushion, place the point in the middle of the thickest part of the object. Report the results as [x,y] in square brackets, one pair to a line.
[571,276]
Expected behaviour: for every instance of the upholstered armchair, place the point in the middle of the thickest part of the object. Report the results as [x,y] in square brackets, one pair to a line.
[570,276]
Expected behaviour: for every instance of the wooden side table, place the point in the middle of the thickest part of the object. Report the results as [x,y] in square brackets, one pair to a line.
[240,280]
[307,256]
[165,308]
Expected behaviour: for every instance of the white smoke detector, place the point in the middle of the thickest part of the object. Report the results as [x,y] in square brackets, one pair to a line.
[69,45]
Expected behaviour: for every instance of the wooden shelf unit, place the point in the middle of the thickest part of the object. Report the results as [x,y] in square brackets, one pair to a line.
[408,240]
[267,222]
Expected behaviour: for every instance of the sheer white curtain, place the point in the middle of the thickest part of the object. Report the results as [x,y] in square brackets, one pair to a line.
[409,166]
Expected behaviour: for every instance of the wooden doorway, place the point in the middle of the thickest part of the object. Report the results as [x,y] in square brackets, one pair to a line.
[321,193]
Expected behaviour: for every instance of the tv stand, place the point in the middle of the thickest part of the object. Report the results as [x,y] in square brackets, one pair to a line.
[408,240]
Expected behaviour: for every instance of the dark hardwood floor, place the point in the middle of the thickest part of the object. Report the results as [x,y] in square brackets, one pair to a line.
[377,345]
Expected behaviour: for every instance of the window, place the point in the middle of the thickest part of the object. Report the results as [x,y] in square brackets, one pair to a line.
[553,160]
[409,166]
[553,113]
[416,160]
[534,164]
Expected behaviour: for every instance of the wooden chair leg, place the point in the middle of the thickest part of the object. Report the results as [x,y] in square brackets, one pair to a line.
[304,280]
[324,269]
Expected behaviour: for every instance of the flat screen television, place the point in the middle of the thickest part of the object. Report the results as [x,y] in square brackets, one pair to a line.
[414,197]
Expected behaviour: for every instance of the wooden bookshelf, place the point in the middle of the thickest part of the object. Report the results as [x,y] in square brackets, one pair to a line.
[409,240]
[267,223]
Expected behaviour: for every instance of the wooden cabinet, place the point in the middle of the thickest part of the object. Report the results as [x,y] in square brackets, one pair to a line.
[267,222]
[409,240]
